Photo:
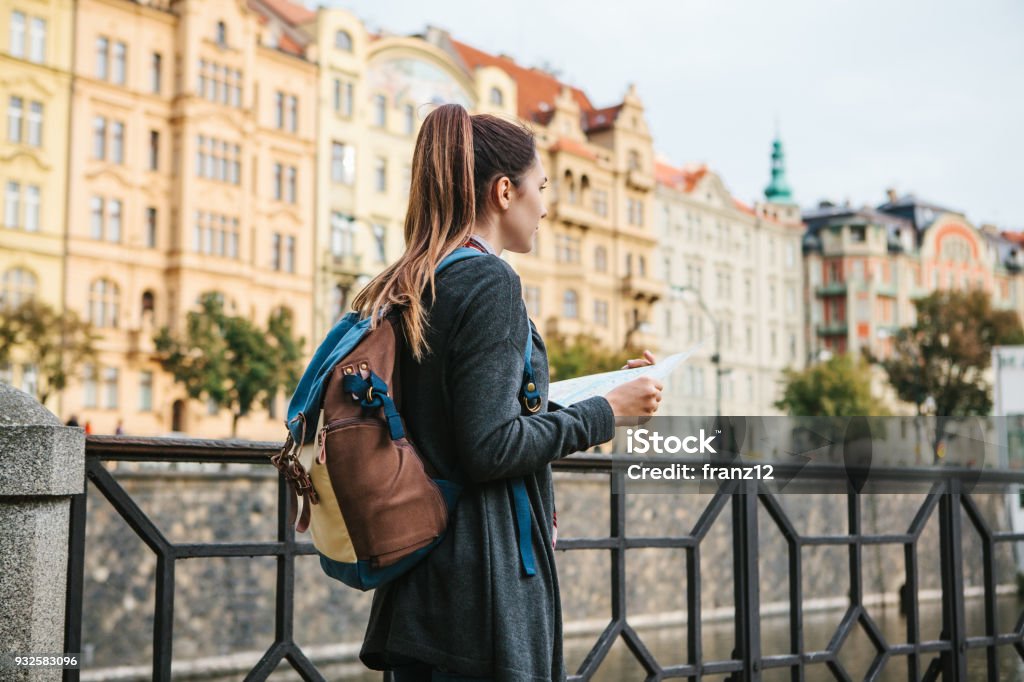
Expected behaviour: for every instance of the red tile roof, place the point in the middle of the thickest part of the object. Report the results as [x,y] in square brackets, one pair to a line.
[600,119]
[286,44]
[565,144]
[682,179]
[291,12]
[1015,237]
[536,88]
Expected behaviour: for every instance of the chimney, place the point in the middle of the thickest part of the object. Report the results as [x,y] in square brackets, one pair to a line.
[891,192]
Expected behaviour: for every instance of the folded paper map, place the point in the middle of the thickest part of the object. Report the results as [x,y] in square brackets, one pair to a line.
[571,391]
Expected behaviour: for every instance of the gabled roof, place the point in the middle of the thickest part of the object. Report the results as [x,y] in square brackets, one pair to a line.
[290,12]
[682,179]
[600,119]
[537,89]
[565,144]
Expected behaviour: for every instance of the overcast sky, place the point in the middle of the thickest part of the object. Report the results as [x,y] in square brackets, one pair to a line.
[926,96]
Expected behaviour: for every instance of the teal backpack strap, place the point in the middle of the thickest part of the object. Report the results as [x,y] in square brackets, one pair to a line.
[529,396]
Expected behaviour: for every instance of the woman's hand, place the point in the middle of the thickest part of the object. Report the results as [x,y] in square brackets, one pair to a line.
[647,359]
[636,401]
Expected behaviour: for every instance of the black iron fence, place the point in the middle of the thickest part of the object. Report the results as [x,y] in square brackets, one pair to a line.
[942,658]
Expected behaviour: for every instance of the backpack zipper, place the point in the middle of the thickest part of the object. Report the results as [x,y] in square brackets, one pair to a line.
[332,426]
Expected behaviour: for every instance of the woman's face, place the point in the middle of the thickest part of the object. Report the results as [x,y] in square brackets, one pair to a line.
[526,208]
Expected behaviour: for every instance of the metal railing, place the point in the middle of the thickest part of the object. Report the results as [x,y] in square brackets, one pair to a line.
[947,496]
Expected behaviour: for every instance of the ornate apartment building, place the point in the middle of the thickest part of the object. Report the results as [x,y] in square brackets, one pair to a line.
[734,277]
[35,80]
[192,170]
[866,266]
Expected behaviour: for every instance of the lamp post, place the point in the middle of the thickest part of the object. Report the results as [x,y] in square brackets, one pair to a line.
[716,358]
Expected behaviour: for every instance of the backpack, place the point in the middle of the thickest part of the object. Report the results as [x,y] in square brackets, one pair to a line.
[371,506]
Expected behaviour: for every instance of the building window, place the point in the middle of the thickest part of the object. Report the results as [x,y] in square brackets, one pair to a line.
[292,181]
[380,111]
[343,41]
[19,286]
[15,115]
[570,305]
[293,113]
[37,41]
[410,119]
[12,204]
[35,124]
[103,304]
[601,259]
[99,138]
[96,217]
[497,97]
[110,377]
[30,379]
[32,205]
[601,313]
[102,58]
[114,220]
[17,34]
[151,227]
[154,150]
[89,397]
[120,62]
[342,235]
[343,162]
[379,235]
[275,251]
[222,34]
[278,181]
[380,174]
[289,254]
[155,74]
[339,302]
[117,141]
[145,391]
[279,110]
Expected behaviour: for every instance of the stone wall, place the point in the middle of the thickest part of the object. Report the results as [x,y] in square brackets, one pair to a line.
[224,606]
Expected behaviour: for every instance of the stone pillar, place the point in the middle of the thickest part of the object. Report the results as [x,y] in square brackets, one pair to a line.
[42,463]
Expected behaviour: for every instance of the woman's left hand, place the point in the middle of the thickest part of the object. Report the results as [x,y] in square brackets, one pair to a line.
[647,359]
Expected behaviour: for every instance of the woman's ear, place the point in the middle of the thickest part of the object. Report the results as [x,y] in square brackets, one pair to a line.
[503,192]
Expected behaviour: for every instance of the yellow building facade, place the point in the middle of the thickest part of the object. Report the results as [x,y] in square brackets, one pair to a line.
[192,166]
[35,82]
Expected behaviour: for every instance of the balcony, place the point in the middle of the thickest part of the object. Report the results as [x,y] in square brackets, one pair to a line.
[639,179]
[830,289]
[832,329]
[140,340]
[574,214]
[345,264]
[642,288]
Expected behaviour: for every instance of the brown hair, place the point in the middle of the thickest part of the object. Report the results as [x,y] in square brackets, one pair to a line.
[456,160]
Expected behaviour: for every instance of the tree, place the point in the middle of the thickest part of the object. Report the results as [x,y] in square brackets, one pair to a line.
[840,387]
[228,360]
[584,354]
[939,364]
[57,344]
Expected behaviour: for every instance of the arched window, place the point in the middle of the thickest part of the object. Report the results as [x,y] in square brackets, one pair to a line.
[222,34]
[103,303]
[570,188]
[584,190]
[343,40]
[570,305]
[19,285]
[497,97]
[148,306]
[600,259]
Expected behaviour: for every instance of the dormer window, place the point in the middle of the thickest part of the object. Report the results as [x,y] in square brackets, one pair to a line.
[343,41]
[497,97]
[222,34]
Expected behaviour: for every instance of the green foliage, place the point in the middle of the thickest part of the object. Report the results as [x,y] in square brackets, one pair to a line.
[58,344]
[840,387]
[229,360]
[583,355]
[941,361]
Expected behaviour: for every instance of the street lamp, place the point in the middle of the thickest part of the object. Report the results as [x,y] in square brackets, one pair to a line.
[716,358]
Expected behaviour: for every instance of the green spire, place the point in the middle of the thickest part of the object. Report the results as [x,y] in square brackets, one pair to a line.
[778,190]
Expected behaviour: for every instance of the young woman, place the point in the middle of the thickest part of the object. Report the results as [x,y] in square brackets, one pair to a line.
[471,609]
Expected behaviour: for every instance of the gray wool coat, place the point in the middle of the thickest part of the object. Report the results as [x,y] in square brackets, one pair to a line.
[469,608]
